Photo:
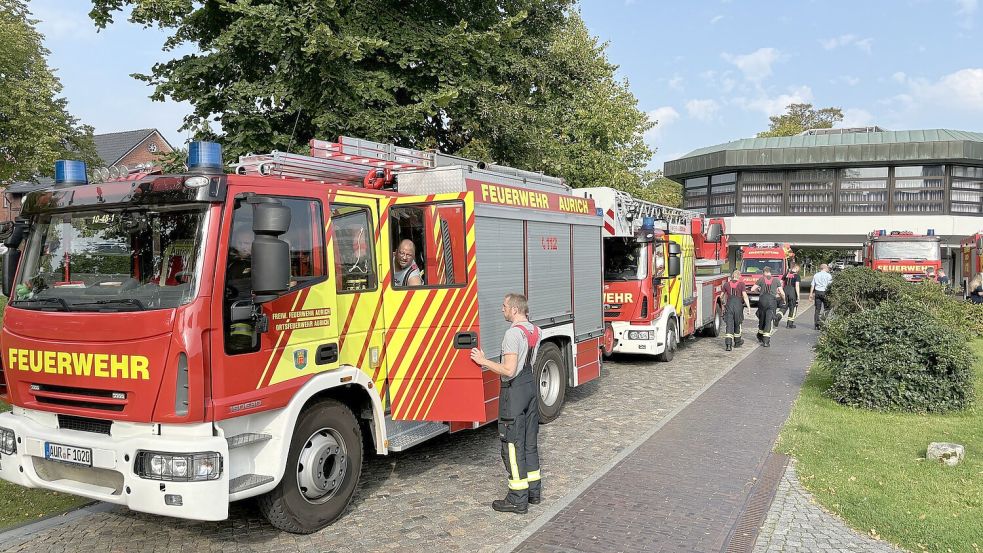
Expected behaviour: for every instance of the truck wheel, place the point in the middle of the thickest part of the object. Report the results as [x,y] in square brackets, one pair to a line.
[324,463]
[714,329]
[671,341]
[607,342]
[551,380]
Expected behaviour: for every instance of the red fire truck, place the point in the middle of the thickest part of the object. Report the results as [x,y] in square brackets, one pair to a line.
[903,252]
[177,342]
[756,256]
[660,285]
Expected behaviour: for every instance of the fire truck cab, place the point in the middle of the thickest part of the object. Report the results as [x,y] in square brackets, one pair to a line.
[176,342]
[904,252]
[660,285]
[971,251]
[756,256]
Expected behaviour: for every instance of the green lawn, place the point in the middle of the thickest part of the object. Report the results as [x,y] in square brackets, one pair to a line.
[19,504]
[870,468]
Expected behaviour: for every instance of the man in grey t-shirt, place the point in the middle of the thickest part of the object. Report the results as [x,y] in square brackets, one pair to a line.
[518,407]
[405,271]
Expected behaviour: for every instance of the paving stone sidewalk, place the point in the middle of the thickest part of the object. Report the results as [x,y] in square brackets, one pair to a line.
[435,497]
[796,524]
[687,486]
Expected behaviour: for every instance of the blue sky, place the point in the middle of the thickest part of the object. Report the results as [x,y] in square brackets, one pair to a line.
[708,71]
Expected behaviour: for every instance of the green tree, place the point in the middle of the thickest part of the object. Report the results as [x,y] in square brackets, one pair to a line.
[520,82]
[801,117]
[35,126]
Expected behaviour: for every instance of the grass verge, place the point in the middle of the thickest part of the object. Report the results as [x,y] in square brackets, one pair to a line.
[870,469]
[19,504]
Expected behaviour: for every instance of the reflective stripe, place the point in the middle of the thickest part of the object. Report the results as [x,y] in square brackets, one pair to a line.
[514,464]
[242,329]
[533,476]
[518,485]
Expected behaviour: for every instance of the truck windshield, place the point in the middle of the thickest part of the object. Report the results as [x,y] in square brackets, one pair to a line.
[757,266]
[622,259]
[914,249]
[121,259]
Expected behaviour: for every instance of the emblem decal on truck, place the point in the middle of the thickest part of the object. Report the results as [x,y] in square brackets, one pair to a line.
[300,358]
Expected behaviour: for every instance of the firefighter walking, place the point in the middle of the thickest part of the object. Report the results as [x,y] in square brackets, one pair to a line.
[735,302]
[769,291]
[518,407]
[791,282]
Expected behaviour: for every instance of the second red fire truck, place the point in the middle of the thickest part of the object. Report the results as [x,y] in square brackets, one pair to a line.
[904,252]
[660,284]
[756,256]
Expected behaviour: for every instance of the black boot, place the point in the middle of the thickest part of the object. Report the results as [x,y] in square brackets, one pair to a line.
[789,324]
[761,338]
[506,506]
[728,344]
[766,341]
[535,497]
[738,342]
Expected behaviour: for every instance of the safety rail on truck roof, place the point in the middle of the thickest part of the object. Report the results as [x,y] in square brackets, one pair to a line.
[348,160]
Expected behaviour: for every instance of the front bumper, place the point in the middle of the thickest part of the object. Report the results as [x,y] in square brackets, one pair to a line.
[623,343]
[111,478]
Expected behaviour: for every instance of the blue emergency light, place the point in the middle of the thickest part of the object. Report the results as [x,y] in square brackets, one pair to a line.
[70,171]
[648,223]
[204,155]
[931,232]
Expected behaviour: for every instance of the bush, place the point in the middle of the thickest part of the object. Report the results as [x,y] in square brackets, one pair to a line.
[859,288]
[897,356]
[953,312]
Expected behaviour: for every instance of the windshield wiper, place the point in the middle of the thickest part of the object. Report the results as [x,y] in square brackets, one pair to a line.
[61,302]
[125,301]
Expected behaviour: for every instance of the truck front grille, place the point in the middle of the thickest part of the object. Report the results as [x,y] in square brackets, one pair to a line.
[84,424]
[85,398]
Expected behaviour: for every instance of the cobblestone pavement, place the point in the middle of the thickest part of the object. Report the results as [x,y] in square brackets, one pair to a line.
[796,524]
[436,496]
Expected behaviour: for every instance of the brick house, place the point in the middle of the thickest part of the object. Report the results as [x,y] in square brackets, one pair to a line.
[129,148]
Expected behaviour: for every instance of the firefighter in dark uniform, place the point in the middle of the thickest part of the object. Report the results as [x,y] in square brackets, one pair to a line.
[791,282]
[518,407]
[769,291]
[735,302]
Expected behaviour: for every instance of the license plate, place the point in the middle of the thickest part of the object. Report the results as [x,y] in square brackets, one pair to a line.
[68,454]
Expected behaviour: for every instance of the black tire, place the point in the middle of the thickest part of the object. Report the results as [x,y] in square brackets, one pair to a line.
[551,381]
[714,329]
[672,341]
[607,352]
[321,429]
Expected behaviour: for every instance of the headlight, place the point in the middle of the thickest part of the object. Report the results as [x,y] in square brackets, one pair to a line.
[178,467]
[8,441]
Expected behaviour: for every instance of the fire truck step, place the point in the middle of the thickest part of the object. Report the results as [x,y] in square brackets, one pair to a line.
[248,438]
[248,481]
[406,434]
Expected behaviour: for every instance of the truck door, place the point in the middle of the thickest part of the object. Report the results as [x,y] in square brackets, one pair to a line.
[253,365]
[431,311]
[356,240]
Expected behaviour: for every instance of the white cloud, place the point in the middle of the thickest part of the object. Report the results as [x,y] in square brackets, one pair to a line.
[856,117]
[715,19]
[899,76]
[57,24]
[663,117]
[775,105]
[755,66]
[960,90]
[848,80]
[863,44]
[967,7]
[676,82]
[704,110]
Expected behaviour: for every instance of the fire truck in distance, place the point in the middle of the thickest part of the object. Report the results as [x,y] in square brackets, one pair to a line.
[756,256]
[660,285]
[971,249]
[257,324]
[903,252]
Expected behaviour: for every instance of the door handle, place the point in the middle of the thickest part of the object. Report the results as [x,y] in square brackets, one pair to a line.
[326,353]
[465,340]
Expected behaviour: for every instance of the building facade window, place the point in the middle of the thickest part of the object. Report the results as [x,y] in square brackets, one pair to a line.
[762,192]
[966,191]
[919,189]
[723,194]
[811,191]
[863,190]
[695,193]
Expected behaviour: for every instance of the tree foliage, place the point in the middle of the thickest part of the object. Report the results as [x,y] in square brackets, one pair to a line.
[518,82]
[801,117]
[35,126]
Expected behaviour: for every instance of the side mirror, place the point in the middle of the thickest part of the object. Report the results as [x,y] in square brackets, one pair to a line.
[675,249]
[270,260]
[10,261]
[979,244]
[674,266]
[714,233]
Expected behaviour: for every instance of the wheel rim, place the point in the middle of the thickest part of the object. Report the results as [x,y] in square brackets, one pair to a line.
[671,338]
[322,466]
[608,344]
[549,382]
[716,322]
